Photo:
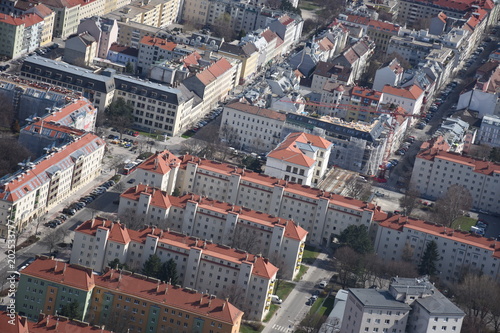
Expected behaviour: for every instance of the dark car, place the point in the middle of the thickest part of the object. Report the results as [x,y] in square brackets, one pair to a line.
[131,181]
[69,211]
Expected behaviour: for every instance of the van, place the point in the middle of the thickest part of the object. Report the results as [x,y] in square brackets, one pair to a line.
[323,284]
[276,300]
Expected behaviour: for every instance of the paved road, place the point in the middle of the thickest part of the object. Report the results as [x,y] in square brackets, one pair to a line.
[294,308]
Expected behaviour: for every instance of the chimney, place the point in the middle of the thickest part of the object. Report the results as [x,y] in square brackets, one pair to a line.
[201,299]
[48,320]
[64,269]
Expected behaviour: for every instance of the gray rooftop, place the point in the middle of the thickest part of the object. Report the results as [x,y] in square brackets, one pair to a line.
[377,299]
[438,304]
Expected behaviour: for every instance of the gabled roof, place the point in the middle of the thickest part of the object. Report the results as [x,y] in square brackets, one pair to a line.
[127,50]
[412,92]
[27,20]
[383,26]
[214,71]
[258,111]
[161,162]
[17,324]
[72,275]
[55,324]
[158,198]
[167,294]
[158,42]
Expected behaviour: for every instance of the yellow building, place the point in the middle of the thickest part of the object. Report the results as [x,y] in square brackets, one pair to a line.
[155,13]
[246,53]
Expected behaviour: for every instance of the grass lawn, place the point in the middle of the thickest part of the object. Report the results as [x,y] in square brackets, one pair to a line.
[327,307]
[309,5]
[152,135]
[272,309]
[188,134]
[302,270]
[283,291]
[464,222]
[310,254]
[245,328]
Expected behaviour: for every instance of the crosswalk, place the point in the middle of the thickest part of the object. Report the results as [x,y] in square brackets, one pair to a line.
[279,328]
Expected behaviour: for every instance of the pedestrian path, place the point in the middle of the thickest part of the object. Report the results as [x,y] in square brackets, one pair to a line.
[278,328]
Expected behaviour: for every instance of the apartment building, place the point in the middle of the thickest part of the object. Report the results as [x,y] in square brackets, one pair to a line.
[48,16]
[329,72]
[460,251]
[80,50]
[358,146]
[362,105]
[58,127]
[145,304]
[391,73]
[436,169]
[381,32]
[39,185]
[409,305]
[489,132]
[410,98]
[356,57]
[249,127]
[20,35]
[153,50]
[301,158]
[201,264]
[130,33]
[247,53]
[282,241]
[45,324]
[104,31]
[289,29]
[154,13]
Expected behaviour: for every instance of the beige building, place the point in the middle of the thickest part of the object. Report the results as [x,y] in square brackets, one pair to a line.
[202,265]
[39,185]
[247,53]
[155,13]
[49,17]
[19,35]
[248,127]
[131,33]
[67,16]
[80,50]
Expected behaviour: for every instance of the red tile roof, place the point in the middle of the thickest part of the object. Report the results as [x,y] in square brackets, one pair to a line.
[54,324]
[191,59]
[168,295]
[285,19]
[383,26]
[117,232]
[289,152]
[69,108]
[398,222]
[72,275]
[269,35]
[412,92]
[158,198]
[31,179]
[358,19]
[256,110]
[27,20]
[214,71]
[159,42]
[364,92]
[160,162]
[17,324]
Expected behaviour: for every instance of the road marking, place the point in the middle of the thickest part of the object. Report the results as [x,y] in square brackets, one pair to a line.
[279,328]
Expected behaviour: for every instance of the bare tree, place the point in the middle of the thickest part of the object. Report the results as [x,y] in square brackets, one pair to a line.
[229,135]
[54,238]
[192,147]
[245,239]
[358,189]
[348,266]
[6,111]
[132,220]
[452,205]
[407,254]
[408,201]
[480,151]
[310,324]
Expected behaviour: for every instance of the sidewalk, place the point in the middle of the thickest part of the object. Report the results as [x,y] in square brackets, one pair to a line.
[54,212]
[296,296]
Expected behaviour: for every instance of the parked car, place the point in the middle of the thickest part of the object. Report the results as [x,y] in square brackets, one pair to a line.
[131,181]
[323,284]
[276,300]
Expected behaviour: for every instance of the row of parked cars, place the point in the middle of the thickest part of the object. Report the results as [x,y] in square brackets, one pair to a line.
[209,117]
[85,200]
[479,228]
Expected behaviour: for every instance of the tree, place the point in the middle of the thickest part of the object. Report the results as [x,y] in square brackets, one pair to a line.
[408,201]
[11,153]
[71,310]
[480,151]
[176,192]
[223,28]
[348,265]
[132,220]
[152,266]
[54,238]
[429,260]
[116,264]
[6,111]
[229,135]
[120,115]
[252,163]
[452,205]
[357,237]
[15,127]
[168,272]
[495,154]
[358,189]
[129,68]
[407,254]
[244,239]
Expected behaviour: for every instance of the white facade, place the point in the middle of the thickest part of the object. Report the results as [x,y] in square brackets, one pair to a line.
[282,241]
[435,171]
[484,102]
[300,158]
[30,192]
[409,98]
[201,265]
[460,250]
[392,74]
[489,133]
[247,127]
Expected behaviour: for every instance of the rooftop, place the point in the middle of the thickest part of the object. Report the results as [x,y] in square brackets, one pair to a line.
[161,162]
[292,149]
[258,111]
[377,299]
[412,92]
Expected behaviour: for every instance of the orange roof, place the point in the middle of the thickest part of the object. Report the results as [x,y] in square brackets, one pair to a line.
[168,295]
[290,152]
[158,198]
[398,222]
[442,16]
[265,180]
[158,42]
[358,19]
[161,162]
[412,92]
[268,35]
[54,324]
[484,167]
[256,110]
[285,19]
[383,26]
[211,73]
[60,272]
[191,59]
[117,232]
[68,109]
[364,92]
[28,20]
[17,324]
[21,184]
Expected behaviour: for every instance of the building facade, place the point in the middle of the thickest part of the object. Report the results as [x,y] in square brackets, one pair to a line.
[201,265]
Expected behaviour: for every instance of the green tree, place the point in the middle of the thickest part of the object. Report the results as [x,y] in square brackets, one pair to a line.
[429,260]
[152,266]
[116,264]
[71,310]
[176,192]
[119,114]
[495,154]
[357,237]
[251,163]
[168,272]
[129,68]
